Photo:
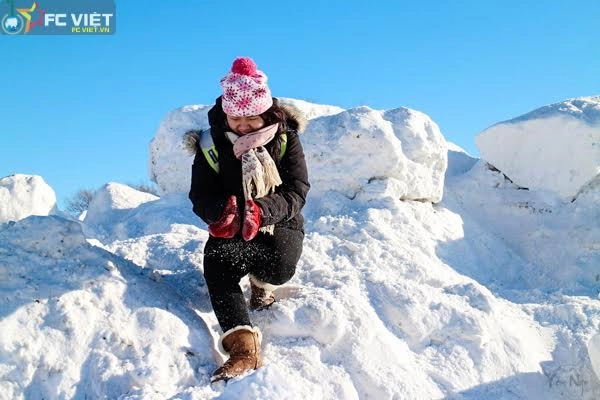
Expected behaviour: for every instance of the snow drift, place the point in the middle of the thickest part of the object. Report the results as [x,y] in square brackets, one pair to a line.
[105,215]
[554,148]
[79,322]
[25,195]
[401,148]
[170,164]
[489,294]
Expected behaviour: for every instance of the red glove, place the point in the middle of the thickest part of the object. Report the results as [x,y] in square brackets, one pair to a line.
[229,223]
[252,220]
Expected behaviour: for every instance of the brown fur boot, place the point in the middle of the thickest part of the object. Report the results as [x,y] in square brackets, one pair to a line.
[242,343]
[261,294]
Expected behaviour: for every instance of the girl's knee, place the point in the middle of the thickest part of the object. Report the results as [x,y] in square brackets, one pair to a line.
[277,274]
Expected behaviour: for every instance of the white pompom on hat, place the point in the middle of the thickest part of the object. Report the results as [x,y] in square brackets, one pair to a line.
[245,90]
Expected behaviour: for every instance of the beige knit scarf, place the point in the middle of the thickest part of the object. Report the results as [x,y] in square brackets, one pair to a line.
[259,172]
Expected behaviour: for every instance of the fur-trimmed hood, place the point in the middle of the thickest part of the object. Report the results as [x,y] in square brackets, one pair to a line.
[190,141]
[295,119]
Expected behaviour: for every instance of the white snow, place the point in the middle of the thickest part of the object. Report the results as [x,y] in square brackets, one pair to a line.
[312,110]
[25,195]
[594,351]
[555,148]
[459,161]
[365,152]
[106,210]
[402,150]
[79,322]
[491,293]
[169,165]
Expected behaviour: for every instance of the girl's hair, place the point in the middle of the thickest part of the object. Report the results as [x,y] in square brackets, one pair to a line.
[275,114]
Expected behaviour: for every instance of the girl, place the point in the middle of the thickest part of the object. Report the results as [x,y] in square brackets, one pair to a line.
[249,185]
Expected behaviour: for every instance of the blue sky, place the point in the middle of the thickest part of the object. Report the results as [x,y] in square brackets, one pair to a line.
[81,111]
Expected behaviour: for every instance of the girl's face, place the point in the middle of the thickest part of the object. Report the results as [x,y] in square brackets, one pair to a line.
[244,125]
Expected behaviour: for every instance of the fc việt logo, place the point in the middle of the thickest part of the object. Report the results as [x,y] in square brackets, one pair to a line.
[57,17]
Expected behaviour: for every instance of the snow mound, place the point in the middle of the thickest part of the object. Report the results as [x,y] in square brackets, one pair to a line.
[404,148]
[399,299]
[78,322]
[118,212]
[312,110]
[110,207]
[372,312]
[401,150]
[170,164]
[586,109]
[459,161]
[25,195]
[491,293]
[531,224]
[554,148]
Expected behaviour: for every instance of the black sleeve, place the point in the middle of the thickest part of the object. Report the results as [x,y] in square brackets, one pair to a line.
[290,196]
[206,192]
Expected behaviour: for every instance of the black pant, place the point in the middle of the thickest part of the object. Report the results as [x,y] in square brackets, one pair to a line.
[270,258]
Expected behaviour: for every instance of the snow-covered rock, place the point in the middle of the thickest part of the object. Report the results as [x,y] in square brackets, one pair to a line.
[401,150]
[554,148]
[25,195]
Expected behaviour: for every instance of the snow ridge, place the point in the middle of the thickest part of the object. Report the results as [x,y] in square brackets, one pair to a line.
[425,274]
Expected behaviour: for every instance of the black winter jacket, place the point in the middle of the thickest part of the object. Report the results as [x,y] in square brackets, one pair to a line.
[210,190]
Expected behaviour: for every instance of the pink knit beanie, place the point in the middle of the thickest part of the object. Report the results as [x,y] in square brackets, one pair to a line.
[245,90]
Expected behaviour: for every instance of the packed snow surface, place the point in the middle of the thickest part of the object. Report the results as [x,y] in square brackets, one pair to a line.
[25,195]
[489,292]
[554,148]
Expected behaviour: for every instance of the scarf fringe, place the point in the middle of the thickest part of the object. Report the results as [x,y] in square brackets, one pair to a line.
[271,175]
[260,177]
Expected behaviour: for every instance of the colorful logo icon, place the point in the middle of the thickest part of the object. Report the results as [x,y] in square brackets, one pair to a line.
[27,14]
[12,23]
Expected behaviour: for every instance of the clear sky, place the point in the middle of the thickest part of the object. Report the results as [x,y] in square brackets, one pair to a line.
[81,111]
